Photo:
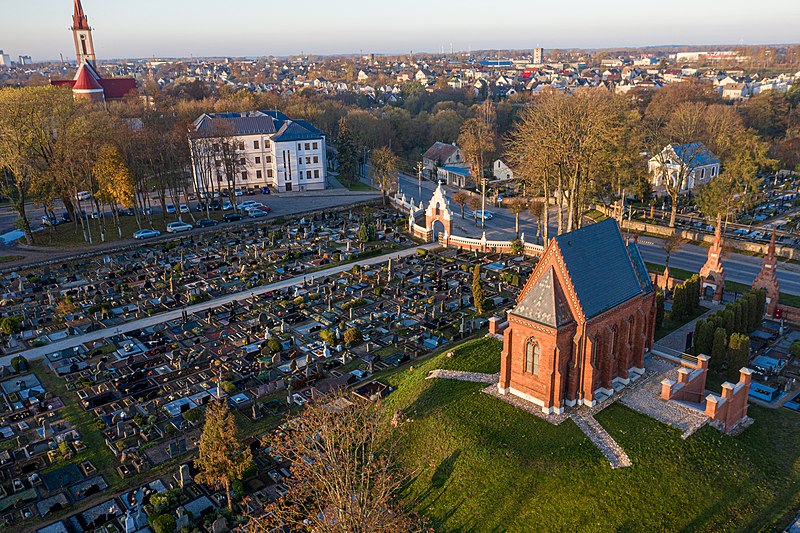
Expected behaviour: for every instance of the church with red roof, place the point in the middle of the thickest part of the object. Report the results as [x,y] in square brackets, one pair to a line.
[87,83]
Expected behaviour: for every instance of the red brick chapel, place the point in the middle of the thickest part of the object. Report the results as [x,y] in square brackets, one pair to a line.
[583,321]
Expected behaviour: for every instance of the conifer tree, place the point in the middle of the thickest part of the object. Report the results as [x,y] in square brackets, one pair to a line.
[222,458]
[347,154]
[477,289]
[719,349]
[738,355]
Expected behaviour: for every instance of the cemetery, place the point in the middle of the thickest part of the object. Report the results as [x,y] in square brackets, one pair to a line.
[103,435]
[138,397]
[49,303]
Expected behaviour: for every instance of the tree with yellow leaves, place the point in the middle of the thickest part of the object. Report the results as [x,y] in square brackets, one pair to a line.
[115,181]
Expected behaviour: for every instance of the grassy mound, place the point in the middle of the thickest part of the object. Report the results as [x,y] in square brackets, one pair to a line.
[481,465]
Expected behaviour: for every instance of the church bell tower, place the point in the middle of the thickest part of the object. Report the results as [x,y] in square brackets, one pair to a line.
[82,33]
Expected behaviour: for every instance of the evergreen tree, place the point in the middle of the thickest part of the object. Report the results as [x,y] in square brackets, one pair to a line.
[659,309]
[477,289]
[738,317]
[755,318]
[679,303]
[761,297]
[719,349]
[729,320]
[738,355]
[222,458]
[703,337]
[346,154]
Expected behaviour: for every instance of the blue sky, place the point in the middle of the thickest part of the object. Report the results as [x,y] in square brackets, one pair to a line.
[146,28]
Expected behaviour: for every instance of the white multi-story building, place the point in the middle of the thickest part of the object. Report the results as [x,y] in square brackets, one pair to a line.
[270,149]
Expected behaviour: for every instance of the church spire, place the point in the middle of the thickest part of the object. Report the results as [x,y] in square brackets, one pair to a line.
[767,278]
[82,34]
[79,20]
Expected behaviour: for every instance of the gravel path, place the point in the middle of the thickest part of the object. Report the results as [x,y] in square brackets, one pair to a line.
[600,438]
[474,377]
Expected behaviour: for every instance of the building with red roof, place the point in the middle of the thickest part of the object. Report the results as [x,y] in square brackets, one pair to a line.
[87,83]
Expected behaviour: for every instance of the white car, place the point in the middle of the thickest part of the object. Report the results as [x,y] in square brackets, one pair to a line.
[170,208]
[146,233]
[183,208]
[177,227]
[256,213]
[238,192]
[485,216]
[84,195]
[254,205]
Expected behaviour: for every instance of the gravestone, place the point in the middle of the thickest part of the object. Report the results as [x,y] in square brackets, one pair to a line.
[184,476]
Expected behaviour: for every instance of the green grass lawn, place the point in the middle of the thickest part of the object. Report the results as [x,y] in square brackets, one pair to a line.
[71,234]
[479,464]
[359,186]
[85,422]
[669,325]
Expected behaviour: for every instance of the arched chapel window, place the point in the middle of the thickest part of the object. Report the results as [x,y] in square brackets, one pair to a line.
[532,353]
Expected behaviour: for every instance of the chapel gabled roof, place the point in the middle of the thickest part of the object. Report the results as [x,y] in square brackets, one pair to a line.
[545,302]
[600,267]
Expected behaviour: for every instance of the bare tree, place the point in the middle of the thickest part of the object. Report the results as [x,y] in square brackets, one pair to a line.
[345,471]
[517,206]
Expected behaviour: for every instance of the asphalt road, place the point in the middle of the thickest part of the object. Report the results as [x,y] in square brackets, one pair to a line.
[738,267]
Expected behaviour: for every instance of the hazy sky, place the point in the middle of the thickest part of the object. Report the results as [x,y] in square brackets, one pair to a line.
[146,28]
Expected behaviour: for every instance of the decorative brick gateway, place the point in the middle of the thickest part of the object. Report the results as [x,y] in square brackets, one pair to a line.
[582,324]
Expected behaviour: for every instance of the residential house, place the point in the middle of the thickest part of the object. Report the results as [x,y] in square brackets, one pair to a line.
[441,154]
[696,162]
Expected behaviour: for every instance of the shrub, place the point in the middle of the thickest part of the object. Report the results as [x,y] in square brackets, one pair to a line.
[163,523]
[19,363]
[328,336]
[228,387]
[11,324]
[352,336]
[193,415]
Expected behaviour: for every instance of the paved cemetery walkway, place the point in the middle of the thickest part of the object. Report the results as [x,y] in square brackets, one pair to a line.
[70,342]
[600,438]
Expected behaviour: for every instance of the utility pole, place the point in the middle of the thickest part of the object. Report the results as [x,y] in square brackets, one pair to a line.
[483,199]
[419,178]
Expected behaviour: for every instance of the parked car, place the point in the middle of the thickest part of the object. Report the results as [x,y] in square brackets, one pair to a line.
[237,192]
[146,233]
[232,217]
[84,195]
[51,221]
[170,208]
[264,190]
[256,213]
[254,205]
[125,212]
[177,227]
[183,208]
[485,216]
[205,223]
[227,206]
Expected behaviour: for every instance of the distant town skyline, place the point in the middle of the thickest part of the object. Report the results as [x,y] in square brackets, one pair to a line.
[180,28]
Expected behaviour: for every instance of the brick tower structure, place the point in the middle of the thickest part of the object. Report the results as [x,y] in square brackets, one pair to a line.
[767,278]
[87,83]
[712,275]
[583,321]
